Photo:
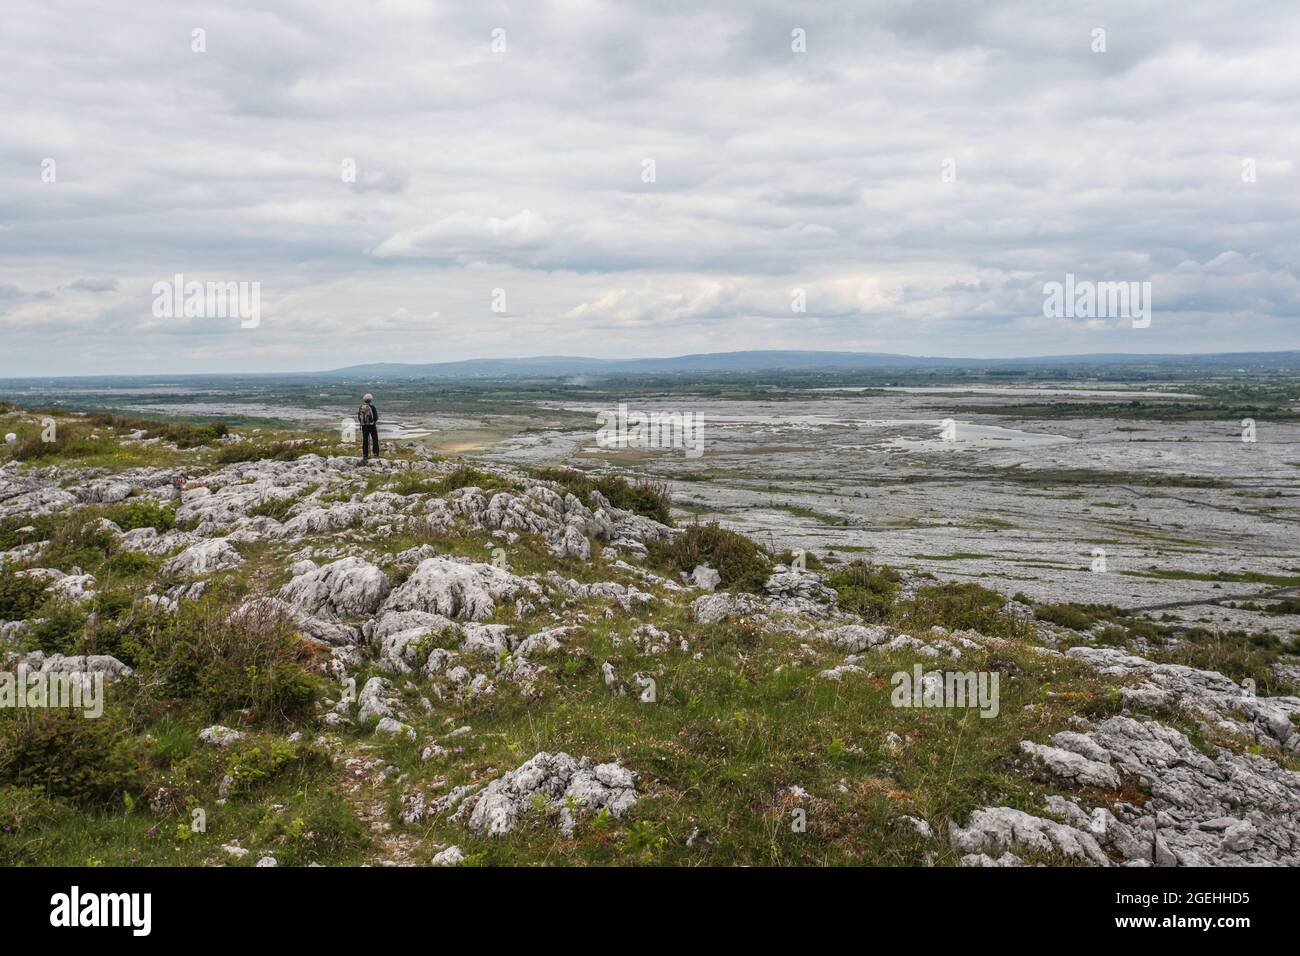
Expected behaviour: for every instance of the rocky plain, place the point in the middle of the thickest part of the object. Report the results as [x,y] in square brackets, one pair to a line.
[550,653]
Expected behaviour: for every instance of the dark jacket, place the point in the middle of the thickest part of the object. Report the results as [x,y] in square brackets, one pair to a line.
[374,409]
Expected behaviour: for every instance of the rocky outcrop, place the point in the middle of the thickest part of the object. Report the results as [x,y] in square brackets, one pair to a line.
[1195,799]
[1269,720]
[346,588]
[73,587]
[559,784]
[42,663]
[456,590]
[626,596]
[396,636]
[204,557]
[712,608]
[854,637]
[996,830]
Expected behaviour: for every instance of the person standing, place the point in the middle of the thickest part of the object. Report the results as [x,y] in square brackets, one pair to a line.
[368,418]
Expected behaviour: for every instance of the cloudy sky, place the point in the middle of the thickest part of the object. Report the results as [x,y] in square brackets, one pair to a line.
[648,178]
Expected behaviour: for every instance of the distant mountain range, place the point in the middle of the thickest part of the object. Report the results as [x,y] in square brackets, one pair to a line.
[717,363]
[765,361]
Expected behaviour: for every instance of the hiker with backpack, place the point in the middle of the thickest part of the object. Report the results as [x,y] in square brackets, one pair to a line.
[368,417]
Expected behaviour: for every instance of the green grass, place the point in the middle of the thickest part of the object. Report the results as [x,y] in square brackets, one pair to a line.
[730,732]
[799,511]
[1224,577]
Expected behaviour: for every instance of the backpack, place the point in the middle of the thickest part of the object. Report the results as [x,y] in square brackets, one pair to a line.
[366,414]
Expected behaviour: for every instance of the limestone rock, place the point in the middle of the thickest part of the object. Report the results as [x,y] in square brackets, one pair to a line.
[455,590]
[204,557]
[350,587]
[560,783]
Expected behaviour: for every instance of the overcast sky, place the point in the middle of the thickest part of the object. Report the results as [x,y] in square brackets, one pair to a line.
[524,169]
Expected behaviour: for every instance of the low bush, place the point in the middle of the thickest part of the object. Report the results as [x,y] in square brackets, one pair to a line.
[70,441]
[1235,654]
[78,541]
[256,451]
[252,765]
[957,606]
[20,595]
[25,529]
[57,629]
[141,513]
[207,662]
[742,564]
[89,762]
[866,589]
[181,434]
[646,498]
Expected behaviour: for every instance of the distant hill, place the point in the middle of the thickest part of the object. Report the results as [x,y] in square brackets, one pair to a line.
[762,361]
[715,363]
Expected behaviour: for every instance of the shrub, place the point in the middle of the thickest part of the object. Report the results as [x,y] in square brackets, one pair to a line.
[866,589]
[1234,654]
[206,661]
[20,595]
[132,564]
[141,513]
[649,499]
[181,434]
[810,560]
[958,607]
[12,535]
[462,477]
[77,541]
[88,762]
[254,764]
[742,564]
[1078,617]
[58,629]
[70,441]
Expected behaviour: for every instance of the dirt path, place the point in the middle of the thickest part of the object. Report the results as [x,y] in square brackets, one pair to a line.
[361,777]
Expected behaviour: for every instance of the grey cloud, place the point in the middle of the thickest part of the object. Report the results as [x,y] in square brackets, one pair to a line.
[522,171]
[92,285]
